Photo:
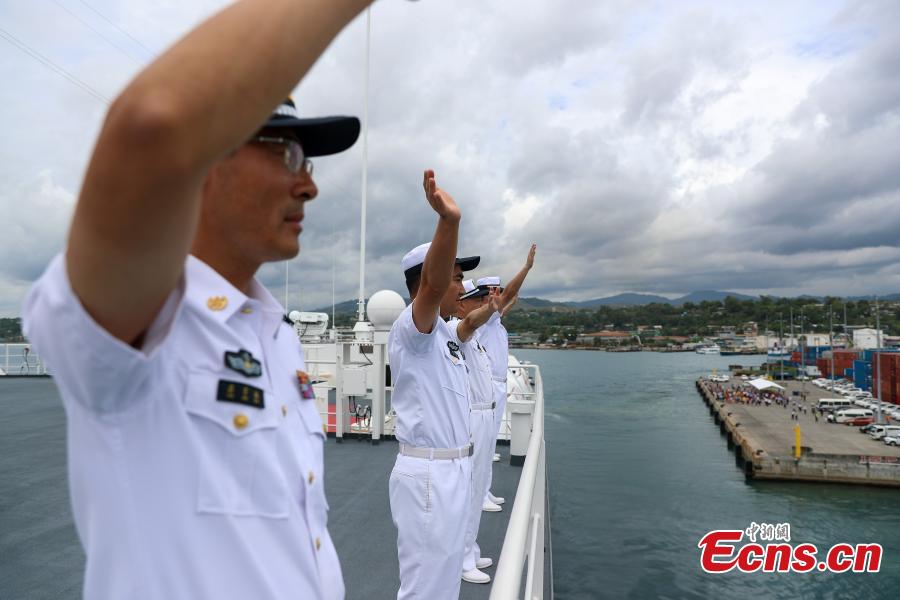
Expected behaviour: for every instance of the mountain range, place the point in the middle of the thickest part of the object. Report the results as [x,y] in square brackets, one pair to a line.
[626,299]
[632,299]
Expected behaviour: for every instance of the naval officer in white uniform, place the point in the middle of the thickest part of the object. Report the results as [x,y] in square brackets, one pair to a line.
[431,483]
[472,315]
[495,339]
[194,446]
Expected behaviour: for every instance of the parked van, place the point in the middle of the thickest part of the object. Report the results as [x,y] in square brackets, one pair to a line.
[845,415]
[880,431]
[831,404]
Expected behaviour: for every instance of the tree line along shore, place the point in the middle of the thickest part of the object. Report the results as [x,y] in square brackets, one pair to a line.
[663,327]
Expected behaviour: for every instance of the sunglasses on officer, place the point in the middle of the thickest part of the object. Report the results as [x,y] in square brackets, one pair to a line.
[294,158]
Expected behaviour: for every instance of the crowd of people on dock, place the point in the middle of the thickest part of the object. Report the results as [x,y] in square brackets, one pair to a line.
[743,394]
[750,396]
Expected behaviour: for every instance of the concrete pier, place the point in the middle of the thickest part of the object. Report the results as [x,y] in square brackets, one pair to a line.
[763,441]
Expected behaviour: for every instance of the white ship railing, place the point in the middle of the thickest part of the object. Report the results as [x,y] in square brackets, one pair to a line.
[20,359]
[328,364]
[523,553]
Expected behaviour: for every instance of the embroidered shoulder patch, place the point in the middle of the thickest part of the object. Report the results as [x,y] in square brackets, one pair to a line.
[243,362]
[454,348]
[240,393]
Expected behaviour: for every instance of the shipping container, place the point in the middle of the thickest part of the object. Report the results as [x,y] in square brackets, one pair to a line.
[862,371]
[869,355]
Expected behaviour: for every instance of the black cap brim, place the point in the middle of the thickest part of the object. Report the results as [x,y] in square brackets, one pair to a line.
[476,293]
[320,136]
[468,263]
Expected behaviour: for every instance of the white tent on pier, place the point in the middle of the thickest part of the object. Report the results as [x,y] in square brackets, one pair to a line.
[764,384]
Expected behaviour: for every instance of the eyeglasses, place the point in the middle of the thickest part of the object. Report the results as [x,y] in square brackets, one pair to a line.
[294,157]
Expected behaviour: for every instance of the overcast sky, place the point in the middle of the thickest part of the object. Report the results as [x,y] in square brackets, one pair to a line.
[657,147]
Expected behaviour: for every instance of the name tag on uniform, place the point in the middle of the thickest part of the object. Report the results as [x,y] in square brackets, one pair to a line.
[306,388]
[240,393]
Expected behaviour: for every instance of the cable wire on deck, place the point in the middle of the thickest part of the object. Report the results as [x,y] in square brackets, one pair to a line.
[52,66]
[131,57]
[120,29]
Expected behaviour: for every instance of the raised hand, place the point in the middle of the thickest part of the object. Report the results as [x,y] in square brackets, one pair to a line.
[479,316]
[440,201]
[529,262]
[494,300]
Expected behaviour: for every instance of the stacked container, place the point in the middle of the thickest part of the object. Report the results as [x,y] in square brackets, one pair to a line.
[842,359]
[862,374]
[886,369]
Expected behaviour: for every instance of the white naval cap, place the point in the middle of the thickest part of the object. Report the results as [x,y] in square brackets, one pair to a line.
[414,259]
[489,281]
[472,291]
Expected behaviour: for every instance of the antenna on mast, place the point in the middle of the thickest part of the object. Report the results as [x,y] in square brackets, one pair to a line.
[363,330]
[361,307]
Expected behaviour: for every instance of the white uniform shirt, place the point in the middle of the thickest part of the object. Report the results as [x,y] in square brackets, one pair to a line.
[431,390]
[479,366]
[190,478]
[495,340]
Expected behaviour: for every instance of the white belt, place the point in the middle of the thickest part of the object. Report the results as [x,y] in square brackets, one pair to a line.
[498,380]
[437,453]
[484,406]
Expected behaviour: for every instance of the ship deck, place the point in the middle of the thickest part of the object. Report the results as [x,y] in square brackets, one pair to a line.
[42,557]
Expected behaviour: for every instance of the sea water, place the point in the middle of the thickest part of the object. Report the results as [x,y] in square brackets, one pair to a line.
[639,473]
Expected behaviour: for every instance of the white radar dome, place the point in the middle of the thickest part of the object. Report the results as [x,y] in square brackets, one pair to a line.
[384,307]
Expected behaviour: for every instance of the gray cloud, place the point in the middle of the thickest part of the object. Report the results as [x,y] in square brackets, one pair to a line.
[643,147]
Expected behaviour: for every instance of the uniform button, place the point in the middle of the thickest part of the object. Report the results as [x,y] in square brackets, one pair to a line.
[247,311]
[283,410]
[311,478]
[240,421]
[318,544]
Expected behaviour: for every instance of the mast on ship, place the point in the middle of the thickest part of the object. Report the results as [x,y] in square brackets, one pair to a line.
[363,329]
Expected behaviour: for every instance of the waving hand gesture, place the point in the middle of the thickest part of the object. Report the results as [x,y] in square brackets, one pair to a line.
[440,201]
[529,262]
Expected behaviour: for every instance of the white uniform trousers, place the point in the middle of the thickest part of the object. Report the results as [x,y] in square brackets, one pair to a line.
[481,424]
[430,502]
[500,406]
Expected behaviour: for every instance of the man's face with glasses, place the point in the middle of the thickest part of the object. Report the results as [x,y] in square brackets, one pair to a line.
[254,199]
[290,150]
